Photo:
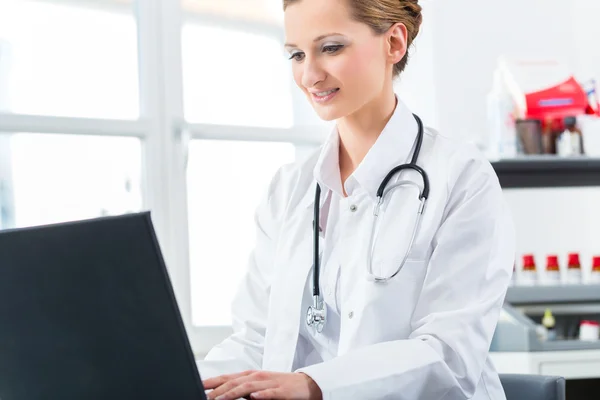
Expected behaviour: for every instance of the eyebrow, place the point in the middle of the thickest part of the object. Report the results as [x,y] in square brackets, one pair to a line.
[321,37]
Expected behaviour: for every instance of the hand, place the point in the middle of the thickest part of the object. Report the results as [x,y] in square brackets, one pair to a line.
[263,385]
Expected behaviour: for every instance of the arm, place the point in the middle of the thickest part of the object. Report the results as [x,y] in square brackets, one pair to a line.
[243,350]
[456,315]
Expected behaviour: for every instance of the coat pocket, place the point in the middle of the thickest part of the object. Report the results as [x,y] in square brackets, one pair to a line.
[388,306]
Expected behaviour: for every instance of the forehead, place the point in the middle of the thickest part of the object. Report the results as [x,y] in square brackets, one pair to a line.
[307,19]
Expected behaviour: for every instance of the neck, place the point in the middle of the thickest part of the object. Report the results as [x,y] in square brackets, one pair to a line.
[360,130]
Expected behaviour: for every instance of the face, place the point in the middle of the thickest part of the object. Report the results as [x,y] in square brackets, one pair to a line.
[340,64]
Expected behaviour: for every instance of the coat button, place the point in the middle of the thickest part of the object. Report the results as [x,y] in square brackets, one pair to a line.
[351,314]
[353,208]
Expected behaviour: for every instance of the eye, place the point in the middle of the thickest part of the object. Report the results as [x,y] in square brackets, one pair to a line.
[297,56]
[333,48]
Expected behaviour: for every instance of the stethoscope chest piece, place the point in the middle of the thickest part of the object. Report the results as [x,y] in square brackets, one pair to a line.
[316,315]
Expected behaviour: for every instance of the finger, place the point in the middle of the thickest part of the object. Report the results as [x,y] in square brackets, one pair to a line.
[217,381]
[246,389]
[270,393]
[230,385]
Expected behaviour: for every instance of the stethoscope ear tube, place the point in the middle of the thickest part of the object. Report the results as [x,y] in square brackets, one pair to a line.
[424,194]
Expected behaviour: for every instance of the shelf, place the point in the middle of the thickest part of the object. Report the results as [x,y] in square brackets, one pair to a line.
[548,171]
[518,295]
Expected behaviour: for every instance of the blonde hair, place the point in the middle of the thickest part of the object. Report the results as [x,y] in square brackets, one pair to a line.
[380,15]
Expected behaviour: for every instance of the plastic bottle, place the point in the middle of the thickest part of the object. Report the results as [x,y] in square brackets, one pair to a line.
[552,275]
[549,323]
[595,275]
[529,273]
[502,140]
[574,276]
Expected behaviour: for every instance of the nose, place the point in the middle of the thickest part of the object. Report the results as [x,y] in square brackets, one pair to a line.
[312,73]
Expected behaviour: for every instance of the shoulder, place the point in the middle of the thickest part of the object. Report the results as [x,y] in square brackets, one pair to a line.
[462,162]
[290,183]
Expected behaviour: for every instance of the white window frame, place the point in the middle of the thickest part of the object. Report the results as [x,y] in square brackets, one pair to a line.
[165,135]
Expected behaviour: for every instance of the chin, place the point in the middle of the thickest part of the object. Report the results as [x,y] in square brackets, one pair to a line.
[329,113]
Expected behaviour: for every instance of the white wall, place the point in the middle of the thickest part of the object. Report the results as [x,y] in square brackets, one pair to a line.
[586,28]
[416,86]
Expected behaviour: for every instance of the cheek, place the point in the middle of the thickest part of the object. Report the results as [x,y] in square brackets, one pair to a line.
[359,67]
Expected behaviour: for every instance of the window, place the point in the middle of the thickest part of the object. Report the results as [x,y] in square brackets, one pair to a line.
[64,60]
[239,79]
[53,178]
[240,110]
[62,63]
[226,180]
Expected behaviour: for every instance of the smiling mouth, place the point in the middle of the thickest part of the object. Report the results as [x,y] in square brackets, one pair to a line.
[325,96]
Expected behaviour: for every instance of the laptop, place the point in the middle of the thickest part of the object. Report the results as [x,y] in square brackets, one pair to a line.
[87,312]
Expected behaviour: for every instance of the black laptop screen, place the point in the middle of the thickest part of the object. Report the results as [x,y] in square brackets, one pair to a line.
[87,312]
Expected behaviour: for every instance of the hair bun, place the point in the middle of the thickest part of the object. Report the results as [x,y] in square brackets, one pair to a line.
[415,11]
[412,6]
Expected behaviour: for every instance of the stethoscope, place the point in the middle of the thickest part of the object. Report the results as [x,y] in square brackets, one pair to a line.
[317,313]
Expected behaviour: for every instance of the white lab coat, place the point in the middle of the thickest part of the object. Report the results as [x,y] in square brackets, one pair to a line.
[423,335]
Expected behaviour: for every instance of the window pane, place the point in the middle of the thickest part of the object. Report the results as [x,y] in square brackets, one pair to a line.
[235,77]
[69,58]
[264,11]
[225,183]
[53,178]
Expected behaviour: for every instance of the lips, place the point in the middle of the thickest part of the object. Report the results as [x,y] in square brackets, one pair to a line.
[328,92]
[325,96]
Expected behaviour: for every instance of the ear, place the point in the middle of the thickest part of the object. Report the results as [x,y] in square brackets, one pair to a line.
[397,38]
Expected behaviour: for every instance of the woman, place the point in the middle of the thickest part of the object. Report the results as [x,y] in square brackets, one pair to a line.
[425,332]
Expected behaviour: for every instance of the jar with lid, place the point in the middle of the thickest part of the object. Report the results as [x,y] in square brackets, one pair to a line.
[574,275]
[529,273]
[552,273]
[595,275]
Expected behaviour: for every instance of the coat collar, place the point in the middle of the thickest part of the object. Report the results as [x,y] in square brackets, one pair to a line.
[393,147]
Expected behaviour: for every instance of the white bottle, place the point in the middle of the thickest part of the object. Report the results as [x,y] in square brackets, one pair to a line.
[502,137]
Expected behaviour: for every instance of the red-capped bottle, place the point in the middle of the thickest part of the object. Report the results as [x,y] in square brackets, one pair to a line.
[552,277]
[595,276]
[529,273]
[574,276]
